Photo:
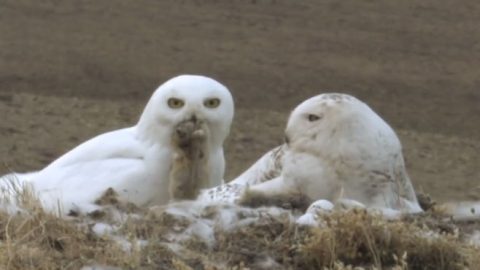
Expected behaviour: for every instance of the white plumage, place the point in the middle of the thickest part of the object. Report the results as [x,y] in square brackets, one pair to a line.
[336,148]
[136,161]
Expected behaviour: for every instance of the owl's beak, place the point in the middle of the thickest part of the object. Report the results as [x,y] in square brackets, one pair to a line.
[286,139]
[193,118]
[196,119]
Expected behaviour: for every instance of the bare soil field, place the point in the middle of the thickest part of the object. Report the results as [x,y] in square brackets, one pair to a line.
[72,69]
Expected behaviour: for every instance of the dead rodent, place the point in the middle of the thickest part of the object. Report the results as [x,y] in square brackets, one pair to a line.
[189,171]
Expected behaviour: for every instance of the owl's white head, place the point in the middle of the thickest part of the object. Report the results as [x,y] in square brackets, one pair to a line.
[187,97]
[337,125]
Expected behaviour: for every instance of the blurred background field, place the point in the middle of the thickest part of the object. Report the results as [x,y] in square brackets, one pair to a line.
[72,69]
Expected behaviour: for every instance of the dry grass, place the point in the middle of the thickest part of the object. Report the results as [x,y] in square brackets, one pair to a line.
[289,201]
[33,239]
[37,240]
[358,238]
[42,241]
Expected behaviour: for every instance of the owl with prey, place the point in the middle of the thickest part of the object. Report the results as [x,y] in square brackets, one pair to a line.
[178,138]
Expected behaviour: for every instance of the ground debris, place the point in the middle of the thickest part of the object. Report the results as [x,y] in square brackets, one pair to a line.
[260,238]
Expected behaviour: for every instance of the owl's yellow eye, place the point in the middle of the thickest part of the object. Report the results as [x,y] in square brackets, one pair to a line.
[175,103]
[212,103]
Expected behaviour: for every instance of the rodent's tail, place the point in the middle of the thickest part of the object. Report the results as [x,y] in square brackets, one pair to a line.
[462,211]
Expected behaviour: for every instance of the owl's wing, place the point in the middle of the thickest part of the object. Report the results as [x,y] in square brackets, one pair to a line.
[405,190]
[107,160]
[78,185]
[226,193]
[115,144]
[266,168]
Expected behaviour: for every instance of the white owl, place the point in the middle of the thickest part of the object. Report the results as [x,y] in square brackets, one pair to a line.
[136,161]
[336,148]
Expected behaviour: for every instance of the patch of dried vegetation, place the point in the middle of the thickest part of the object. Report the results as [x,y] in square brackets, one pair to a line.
[34,239]
[360,239]
[350,240]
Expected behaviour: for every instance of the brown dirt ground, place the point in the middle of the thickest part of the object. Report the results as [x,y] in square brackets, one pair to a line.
[72,69]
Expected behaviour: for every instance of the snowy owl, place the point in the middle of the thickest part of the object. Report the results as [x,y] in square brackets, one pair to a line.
[336,147]
[137,162]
